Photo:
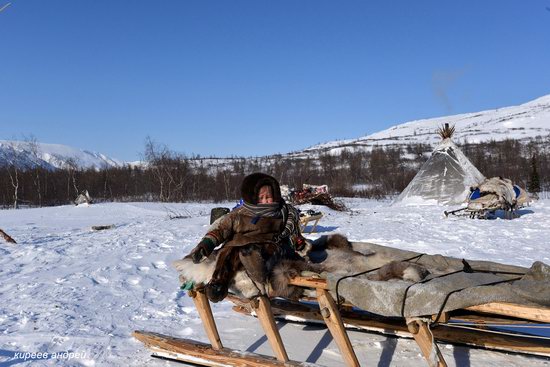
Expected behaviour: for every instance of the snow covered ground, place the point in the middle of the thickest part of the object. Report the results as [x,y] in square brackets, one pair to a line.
[66,288]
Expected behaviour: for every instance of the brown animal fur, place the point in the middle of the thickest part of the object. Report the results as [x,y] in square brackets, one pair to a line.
[284,272]
[400,270]
[338,241]
[253,268]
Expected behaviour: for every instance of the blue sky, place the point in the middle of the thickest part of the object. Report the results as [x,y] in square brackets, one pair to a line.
[258,77]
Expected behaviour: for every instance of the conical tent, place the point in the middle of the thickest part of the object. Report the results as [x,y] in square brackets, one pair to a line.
[445,178]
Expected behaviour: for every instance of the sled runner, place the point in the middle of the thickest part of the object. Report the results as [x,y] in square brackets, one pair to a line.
[472,303]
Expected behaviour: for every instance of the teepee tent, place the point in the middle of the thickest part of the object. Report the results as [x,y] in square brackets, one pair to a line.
[445,178]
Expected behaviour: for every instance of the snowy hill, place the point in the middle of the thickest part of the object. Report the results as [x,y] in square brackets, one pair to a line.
[51,156]
[522,122]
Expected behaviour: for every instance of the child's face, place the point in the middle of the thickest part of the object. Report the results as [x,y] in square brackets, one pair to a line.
[265,196]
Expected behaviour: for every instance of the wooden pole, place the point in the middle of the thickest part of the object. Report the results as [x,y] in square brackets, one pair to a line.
[424,338]
[263,310]
[7,237]
[537,314]
[333,320]
[205,313]
[197,353]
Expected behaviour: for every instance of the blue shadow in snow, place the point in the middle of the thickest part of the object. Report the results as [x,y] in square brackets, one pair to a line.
[263,339]
[502,214]
[461,356]
[12,361]
[388,350]
[319,229]
[318,350]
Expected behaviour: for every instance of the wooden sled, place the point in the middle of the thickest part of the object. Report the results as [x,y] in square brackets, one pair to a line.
[326,310]
[304,221]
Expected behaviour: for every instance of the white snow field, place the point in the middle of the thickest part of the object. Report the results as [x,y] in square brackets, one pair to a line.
[67,289]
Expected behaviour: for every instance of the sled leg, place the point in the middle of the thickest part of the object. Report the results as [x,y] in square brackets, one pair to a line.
[263,310]
[314,226]
[333,320]
[424,338]
[205,312]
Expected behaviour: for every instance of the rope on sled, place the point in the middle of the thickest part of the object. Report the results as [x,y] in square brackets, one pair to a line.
[466,269]
[339,300]
[436,321]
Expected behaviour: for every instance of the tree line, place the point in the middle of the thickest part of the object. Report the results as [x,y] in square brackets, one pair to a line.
[167,176]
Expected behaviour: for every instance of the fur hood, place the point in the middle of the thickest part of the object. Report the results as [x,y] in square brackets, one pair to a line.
[252,183]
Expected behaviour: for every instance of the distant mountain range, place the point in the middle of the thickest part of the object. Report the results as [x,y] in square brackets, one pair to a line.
[51,156]
[523,122]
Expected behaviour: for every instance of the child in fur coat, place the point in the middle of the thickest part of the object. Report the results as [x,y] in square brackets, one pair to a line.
[255,236]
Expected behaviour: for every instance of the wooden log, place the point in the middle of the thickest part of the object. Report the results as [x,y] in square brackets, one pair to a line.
[205,312]
[425,340]
[101,228]
[533,313]
[262,307]
[7,237]
[333,320]
[197,353]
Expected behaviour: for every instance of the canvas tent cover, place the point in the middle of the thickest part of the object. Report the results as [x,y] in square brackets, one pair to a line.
[470,289]
[445,178]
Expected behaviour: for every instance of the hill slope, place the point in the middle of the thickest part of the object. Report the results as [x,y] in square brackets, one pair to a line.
[51,156]
[522,122]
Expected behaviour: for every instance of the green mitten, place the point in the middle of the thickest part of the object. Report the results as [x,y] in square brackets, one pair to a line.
[188,285]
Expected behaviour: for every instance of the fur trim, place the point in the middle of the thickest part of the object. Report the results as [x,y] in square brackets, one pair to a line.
[252,183]
[199,273]
[338,241]
[284,272]
[400,270]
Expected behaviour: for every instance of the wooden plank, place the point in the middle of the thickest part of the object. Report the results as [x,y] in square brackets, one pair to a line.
[425,340]
[205,312]
[397,327]
[443,318]
[532,313]
[317,283]
[262,307]
[334,323]
[194,352]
